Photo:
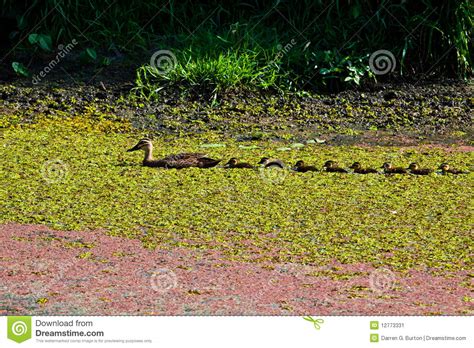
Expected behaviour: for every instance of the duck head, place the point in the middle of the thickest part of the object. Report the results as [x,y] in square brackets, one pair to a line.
[387,166]
[444,167]
[232,162]
[355,165]
[144,144]
[264,160]
[299,164]
[329,164]
[413,166]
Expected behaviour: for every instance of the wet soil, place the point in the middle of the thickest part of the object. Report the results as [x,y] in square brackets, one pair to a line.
[380,114]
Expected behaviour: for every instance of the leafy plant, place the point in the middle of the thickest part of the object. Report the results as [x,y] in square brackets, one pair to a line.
[344,69]
[20,69]
[43,41]
[89,55]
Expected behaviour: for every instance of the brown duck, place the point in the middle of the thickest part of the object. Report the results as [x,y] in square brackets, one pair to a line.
[446,169]
[301,167]
[234,163]
[357,168]
[390,169]
[271,163]
[415,169]
[178,161]
[332,167]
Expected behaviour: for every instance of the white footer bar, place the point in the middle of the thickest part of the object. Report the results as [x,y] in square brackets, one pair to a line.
[314,331]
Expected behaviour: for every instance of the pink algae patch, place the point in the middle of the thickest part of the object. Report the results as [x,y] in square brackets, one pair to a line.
[46,272]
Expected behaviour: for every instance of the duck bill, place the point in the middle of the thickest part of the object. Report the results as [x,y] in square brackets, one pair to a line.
[135,148]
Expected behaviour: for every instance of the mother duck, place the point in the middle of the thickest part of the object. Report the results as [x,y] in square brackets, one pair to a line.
[178,161]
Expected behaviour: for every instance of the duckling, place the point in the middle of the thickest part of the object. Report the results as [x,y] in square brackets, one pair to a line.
[446,169]
[331,166]
[301,167]
[178,161]
[415,169]
[233,163]
[271,163]
[357,167]
[390,169]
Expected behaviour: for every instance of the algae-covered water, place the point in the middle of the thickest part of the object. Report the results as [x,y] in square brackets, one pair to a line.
[76,175]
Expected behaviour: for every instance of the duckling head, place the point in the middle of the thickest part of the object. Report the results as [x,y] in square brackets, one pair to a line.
[264,160]
[329,164]
[413,166]
[143,144]
[444,166]
[355,165]
[299,164]
[387,166]
[232,162]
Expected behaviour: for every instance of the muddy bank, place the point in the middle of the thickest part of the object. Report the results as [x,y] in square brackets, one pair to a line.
[428,112]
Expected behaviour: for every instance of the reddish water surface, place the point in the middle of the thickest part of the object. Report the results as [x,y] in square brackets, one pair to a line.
[43,271]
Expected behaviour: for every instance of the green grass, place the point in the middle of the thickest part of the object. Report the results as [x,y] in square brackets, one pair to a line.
[400,221]
[216,74]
